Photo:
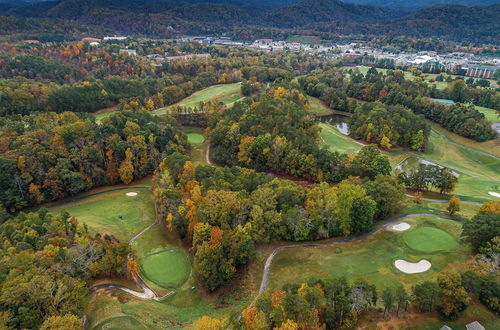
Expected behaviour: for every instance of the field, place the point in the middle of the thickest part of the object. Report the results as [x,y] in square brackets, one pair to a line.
[112,212]
[372,257]
[227,93]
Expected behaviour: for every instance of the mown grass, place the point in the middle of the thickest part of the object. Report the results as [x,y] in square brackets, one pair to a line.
[490,114]
[226,93]
[112,212]
[198,150]
[429,239]
[371,258]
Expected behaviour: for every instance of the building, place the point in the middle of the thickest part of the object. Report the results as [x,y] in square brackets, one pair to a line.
[114,38]
[474,326]
[445,327]
[129,52]
[481,71]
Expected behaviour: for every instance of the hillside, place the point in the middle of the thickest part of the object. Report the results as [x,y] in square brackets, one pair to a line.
[418,4]
[248,19]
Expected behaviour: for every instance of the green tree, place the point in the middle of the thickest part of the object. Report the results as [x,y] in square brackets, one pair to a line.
[481,229]
[388,297]
[65,322]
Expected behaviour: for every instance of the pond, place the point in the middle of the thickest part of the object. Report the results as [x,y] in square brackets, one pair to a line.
[339,121]
[411,163]
[445,101]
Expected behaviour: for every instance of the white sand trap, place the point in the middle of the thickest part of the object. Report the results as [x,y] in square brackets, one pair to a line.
[494,194]
[131,194]
[401,226]
[412,267]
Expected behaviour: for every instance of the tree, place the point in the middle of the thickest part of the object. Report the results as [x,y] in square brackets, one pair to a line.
[481,229]
[453,205]
[490,207]
[132,268]
[425,295]
[254,319]
[387,192]
[65,322]
[212,267]
[388,297]
[288,325]
[208,323]
[401,297]
[126,169]
[453,297]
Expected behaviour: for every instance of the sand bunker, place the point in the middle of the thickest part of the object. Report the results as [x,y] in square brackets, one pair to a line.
[412,267]
[494,194]
[131,194]
[401,226]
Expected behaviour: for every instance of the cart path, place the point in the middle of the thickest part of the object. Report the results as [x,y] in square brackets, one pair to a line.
[269,260]
[147,292]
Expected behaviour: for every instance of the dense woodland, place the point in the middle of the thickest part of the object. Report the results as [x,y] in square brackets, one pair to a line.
[48,262]
[329,19]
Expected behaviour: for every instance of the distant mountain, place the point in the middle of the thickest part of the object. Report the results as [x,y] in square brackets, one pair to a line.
[331,18]
[418,4]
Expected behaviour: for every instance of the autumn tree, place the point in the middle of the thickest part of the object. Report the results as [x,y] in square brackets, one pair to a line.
[208,323]
[453,297]
[126,169]
[453,205]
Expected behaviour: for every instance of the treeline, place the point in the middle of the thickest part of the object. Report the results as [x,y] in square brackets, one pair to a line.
[426,177]
[341,93]
[49,156]
[222,212]
[47,263]
[340,304]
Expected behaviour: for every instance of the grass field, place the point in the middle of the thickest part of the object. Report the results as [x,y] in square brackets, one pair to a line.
[227,93]
[371,258]
[490,114]
[112,212]
[318,107]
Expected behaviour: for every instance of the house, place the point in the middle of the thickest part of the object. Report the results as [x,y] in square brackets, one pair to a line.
[474,326]
[445,327]
[129,52]
[31,41]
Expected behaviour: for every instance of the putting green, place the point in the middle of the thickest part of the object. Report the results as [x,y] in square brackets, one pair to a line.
[429,239]
[195,138]
[168,268]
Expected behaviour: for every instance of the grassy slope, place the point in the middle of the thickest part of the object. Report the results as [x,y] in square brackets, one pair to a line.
[101,212]
[227,93]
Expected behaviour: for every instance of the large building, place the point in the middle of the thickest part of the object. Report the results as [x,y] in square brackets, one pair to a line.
[481,71]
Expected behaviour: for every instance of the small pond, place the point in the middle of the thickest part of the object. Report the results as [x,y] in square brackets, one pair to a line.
[445,101]
[339,121]
[411,163]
